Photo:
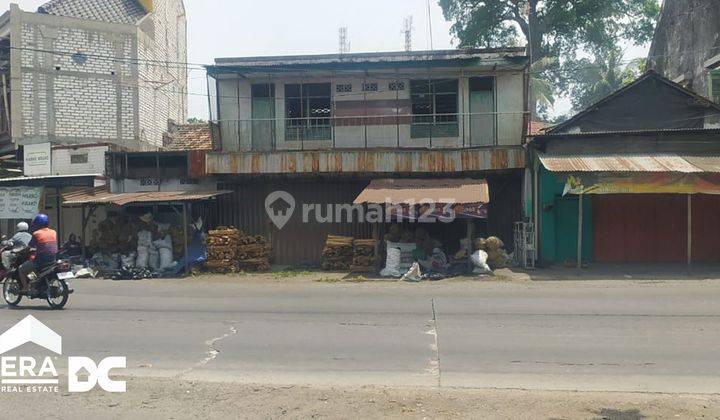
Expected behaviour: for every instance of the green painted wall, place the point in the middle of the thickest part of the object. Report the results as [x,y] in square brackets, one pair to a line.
[559,221]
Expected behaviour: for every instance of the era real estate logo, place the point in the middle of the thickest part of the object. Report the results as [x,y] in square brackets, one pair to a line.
[28,374]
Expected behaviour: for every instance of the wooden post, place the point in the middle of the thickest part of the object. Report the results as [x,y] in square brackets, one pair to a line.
[536,216]
[58,214]
[185,237]
[580,232]
[82,240]
[689,230]
[376,237]
[470,233]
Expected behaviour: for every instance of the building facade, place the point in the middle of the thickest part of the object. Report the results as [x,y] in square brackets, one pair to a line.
[321,128]
[633,179]
[79,72]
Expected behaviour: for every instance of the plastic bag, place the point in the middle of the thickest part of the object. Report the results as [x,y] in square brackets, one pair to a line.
[143,255]
[392,263]
[153,258]
[166,258]
[144,239]
[128,260]
[479,259]
[165,242]
[413,274]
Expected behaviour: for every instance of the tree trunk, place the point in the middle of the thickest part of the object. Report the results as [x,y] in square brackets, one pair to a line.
[535,38]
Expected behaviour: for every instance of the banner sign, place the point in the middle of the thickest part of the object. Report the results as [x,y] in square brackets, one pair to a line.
[439,211]
[642,183]
[37,159]
[20,202]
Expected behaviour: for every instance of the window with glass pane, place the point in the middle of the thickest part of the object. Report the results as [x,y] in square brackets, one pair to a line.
[715,85]
[308,110]
[434,108]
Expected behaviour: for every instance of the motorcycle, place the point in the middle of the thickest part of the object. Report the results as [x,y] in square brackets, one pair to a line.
[50,283]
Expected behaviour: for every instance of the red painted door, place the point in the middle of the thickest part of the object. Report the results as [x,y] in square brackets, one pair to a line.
[706,228]
[640,227]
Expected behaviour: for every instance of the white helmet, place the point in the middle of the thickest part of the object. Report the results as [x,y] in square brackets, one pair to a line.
[22,227]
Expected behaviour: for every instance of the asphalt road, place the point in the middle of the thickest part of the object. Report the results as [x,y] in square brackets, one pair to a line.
[590,336]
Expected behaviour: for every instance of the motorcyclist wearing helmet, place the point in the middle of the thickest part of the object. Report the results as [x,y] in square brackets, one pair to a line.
[44,240]
[21,239]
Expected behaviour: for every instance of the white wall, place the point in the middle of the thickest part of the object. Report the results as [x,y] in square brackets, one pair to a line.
[235,112]
[62,160]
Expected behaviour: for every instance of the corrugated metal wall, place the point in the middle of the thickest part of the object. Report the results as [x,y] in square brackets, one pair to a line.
[301,243]
[297,243]
[505,206]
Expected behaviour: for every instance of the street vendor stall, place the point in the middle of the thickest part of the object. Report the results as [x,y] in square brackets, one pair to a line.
[139,231]
[423,214]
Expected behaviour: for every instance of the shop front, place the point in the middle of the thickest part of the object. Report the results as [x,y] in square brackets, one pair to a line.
[628,214]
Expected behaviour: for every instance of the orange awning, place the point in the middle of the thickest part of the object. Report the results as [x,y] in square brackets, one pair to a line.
[419,191]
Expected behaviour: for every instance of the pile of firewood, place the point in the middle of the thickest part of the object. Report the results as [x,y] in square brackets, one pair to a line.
[363,255]
[338,253]
[222,249]
[254,253]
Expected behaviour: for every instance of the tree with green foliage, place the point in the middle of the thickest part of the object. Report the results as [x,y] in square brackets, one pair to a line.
[560,30]
[595,78]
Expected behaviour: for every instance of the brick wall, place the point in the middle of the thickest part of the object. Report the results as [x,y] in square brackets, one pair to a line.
[90,90]
[162,39]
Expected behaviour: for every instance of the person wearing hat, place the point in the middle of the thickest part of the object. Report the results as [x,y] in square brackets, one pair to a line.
[21,238]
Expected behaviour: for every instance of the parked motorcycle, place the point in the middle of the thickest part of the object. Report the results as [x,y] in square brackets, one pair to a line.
[49,283]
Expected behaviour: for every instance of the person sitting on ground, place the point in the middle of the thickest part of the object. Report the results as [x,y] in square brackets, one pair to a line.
[72,247]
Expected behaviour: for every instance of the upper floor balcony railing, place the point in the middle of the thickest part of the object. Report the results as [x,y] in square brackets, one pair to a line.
[425,131]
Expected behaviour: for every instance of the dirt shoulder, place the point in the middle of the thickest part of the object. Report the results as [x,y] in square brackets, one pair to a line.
[178,399]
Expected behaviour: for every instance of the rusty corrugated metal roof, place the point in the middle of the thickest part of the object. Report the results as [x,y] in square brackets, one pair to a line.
[101,195]
[618,162]
[366,161]
[417,191]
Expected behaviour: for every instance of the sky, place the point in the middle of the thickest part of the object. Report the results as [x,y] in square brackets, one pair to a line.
[235,28]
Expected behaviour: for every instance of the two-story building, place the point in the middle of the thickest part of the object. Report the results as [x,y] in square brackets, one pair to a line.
[321,127]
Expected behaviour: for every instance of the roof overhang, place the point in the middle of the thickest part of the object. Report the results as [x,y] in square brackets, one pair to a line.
[57,181]
[422,191]
[498,57]
[100,195]
[635,162]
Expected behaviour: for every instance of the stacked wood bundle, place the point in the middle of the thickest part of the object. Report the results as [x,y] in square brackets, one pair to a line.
[222,248]
[363,255]
[254,253]
[338,253]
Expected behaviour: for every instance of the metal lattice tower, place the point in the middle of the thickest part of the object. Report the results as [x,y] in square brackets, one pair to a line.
[344,41]
[407,31]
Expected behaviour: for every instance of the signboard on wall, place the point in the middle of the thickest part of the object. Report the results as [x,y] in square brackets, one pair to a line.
[20,202]
[36,158]
[642,183]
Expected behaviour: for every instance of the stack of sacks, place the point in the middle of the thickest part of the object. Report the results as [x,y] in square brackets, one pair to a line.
[495,248]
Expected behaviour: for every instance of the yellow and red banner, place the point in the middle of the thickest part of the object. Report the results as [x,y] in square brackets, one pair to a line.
[643,183]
